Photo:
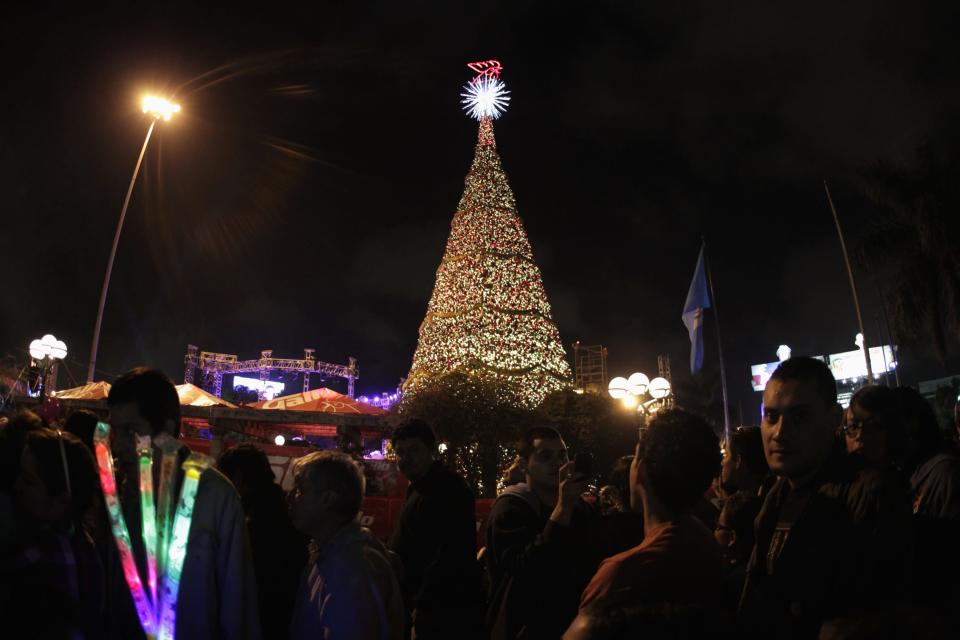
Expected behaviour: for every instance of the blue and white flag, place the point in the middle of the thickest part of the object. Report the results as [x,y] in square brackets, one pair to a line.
[698,299]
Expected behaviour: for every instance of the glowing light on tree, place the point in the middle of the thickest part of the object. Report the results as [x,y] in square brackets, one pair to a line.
[489,311]
[485,97]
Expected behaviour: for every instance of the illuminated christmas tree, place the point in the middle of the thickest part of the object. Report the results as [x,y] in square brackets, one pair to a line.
[489,312]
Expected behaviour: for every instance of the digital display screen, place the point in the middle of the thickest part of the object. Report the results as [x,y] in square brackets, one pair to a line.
[270,388]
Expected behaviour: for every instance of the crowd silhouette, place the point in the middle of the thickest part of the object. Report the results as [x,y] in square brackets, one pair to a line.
[821,522]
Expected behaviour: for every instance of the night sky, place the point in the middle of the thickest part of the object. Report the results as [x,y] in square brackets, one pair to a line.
[304,195]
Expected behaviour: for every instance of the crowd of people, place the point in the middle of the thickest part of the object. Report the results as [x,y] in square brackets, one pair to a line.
[819,523]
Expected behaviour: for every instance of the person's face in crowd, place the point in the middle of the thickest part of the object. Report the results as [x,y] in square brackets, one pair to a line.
[414,458]
[543,465]
[310,508]
[34,496]
[798,427]
[126,424]
[864,435]
[729,470]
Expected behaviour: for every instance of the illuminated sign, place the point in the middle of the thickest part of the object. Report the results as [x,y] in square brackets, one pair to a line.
[270,388]
[845,367]
[760,374]
[851,365]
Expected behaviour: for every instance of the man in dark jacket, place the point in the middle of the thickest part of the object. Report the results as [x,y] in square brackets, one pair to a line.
[831,539]
[436,540]
[279,551]
[540,554]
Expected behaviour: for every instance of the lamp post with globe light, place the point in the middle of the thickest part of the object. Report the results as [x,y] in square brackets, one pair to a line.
[157,108]
[640,393]
[46,352]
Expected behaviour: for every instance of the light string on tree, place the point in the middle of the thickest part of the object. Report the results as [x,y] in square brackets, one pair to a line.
[165,542]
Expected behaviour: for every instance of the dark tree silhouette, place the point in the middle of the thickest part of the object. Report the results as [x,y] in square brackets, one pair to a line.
[918,235]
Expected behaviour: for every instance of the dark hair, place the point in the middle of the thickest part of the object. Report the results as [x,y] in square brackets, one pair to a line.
[919,422]
[44,444]
[747,443]
[812,370]
[335,471]
[12,438]
[82,423]
[882,403]
[415,429]
[542,432]
[250,462]
[26,421]
[681,456]
[154,394]
[620,476]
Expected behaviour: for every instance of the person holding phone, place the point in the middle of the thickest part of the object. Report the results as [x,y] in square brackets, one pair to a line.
[539,549]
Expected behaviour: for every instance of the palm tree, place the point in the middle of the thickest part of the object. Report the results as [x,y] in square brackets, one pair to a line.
[918,235]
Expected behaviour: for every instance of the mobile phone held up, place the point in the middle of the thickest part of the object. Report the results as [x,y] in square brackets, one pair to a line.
[583,463]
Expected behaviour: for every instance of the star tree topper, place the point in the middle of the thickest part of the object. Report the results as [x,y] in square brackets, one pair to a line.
[485,96]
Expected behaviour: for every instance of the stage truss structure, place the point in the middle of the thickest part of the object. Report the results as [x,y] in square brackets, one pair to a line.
[216,365]
[590,367]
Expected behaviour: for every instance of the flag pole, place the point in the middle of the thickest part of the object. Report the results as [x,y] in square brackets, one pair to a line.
[853,284]
[716,322]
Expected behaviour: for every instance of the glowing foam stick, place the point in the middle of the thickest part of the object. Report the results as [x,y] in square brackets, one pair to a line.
[118,525]
[148,514]
[177,553]
[168,465]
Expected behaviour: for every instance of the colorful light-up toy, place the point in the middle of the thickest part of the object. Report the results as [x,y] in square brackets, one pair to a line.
[165,542]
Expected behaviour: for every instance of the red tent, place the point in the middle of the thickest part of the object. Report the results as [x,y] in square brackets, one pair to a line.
[323,400]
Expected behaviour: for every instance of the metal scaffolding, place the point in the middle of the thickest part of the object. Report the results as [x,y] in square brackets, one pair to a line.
[663,367]
[219,364]
[590,367]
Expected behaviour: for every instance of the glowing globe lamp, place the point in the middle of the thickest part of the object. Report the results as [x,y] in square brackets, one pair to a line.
[659,388]
[618,388]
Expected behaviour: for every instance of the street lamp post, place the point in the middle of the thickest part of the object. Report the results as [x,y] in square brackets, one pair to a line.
[46,352]
[158,108]
[641,393]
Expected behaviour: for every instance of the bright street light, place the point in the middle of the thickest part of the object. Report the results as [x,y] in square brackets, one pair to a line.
[618,388]
[48,347]
[659,388]
[784,353]
[638,383]
[279,440]
[158,108]
[640,392]
[46,351]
